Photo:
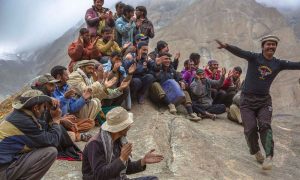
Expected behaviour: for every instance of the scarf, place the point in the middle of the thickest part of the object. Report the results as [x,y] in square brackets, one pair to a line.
[108,150]
[87,80]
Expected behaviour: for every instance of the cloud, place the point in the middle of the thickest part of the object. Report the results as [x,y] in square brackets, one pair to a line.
[28,24]
[280,4]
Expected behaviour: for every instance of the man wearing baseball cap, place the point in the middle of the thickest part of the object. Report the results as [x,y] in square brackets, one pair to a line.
[255,103]
[107,155]
[27,150]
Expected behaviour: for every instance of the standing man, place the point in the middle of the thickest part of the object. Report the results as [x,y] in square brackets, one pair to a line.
[125,25]
[143,25]
[97,17]
[107,155]
[256,103]
[119,12]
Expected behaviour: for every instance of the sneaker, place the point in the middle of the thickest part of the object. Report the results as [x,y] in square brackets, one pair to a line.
[172,108]
[267,165]
[193,117]
[259,157]
[209,115]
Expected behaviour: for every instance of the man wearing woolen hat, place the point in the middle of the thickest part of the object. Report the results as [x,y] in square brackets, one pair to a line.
[255,103]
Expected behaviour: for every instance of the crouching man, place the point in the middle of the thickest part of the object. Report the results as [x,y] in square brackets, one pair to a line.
[106,156]
[27,151]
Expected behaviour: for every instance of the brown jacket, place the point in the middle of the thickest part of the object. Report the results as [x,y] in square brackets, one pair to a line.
[77,52]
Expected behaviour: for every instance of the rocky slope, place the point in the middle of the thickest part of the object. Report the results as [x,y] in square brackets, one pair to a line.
[241,23]
[204,150]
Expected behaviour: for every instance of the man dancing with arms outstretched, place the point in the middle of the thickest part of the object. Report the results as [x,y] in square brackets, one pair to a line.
[256,102]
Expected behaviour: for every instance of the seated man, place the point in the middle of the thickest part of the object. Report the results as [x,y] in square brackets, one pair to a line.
[107,155]
[163,47]
[27,150]
[70,105]
[114,68]
[188,73]
[47,84]
[81,79]
[201,95]
[82,49]
[142,77]
[164,71]
[230,87]
[107,44]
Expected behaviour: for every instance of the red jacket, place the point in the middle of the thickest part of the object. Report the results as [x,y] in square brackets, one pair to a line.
[210,75]
[78,52]
[229,83]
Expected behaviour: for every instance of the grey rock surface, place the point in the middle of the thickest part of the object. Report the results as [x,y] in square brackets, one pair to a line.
[204,150]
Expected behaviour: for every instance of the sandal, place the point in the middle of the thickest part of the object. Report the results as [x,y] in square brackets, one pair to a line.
[85,137]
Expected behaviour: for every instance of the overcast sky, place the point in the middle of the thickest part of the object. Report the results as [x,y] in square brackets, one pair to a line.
[31,23]
[281,4]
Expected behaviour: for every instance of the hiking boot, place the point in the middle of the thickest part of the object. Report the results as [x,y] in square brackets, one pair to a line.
[209,116]
[172,108]
[259,157]
[193,117]
[267,165]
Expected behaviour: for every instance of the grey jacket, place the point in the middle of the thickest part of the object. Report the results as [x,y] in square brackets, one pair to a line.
[201,92]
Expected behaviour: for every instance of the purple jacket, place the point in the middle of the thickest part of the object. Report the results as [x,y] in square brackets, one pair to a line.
[188,76]
[92,20]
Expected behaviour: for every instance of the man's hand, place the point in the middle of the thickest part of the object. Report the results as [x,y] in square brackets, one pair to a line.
[95,41]
[126,45]
[117,65]
[56,115]
[221,45]
[124,84]
[67,124]
[230,74]
[132,68]
[223,72]
[87,93]
[111,82]
[138,23]
[133,19]
[182,85]
[70,93]
[151,158]
[158,61]
[125,152]
[177,55]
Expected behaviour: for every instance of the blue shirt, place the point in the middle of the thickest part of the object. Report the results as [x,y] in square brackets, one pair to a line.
[107,67]
[71,105]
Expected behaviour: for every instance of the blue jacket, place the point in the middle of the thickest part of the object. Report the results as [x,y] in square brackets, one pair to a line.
[140,70]
[126,29]
[163,75]
[20,133]
[71,105]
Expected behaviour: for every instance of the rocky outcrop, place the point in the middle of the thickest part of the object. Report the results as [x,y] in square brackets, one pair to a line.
[204,150]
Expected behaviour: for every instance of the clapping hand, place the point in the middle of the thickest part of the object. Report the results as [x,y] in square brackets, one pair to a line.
[111,82]
[132,68]
[223,72]
[151,158]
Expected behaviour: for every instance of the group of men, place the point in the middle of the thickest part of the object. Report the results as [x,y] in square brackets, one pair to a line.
[110,67]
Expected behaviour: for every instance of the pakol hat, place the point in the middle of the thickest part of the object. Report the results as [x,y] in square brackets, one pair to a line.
[270,38]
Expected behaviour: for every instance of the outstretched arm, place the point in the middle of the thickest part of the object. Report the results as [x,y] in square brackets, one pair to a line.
[288,65]
[237,51]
